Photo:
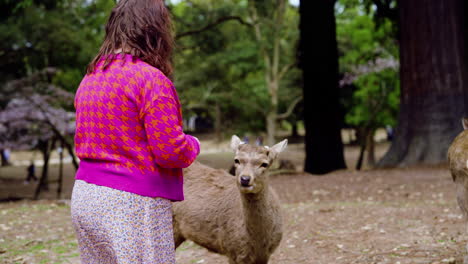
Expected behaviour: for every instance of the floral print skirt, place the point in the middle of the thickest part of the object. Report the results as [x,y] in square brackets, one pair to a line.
[114,226]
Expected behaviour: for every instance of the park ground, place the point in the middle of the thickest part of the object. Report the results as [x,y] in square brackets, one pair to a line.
[404,215]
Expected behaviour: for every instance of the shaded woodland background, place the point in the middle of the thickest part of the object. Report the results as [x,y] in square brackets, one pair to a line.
[331,75]
[258,68]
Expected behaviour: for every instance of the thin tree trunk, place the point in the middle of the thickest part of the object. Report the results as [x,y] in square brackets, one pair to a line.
[44,181]
[4,160]
[271,128]
[370,148]
[60,179]
[362,138]
[319,62]
[271,57]
[272,116]
[294,129]
[69,148]
[434,80]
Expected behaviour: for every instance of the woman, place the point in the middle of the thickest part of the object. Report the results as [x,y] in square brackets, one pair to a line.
[130,141]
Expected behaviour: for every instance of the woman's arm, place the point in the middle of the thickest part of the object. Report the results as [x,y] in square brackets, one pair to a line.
[170,146]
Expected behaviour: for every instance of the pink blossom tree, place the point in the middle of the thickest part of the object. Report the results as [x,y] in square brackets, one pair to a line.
[35,116]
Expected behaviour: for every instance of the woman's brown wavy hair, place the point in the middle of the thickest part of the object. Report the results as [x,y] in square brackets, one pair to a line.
[141,28]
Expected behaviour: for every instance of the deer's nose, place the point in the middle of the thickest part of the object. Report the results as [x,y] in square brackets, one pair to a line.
[245,180]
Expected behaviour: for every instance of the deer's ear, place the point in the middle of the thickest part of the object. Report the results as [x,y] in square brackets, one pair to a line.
[235,142]
[465,123]
[280,147]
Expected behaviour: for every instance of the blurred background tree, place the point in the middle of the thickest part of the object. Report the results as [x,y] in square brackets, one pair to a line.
[434,81]
[237,67]
[236,62]
[323,114]
[370,87]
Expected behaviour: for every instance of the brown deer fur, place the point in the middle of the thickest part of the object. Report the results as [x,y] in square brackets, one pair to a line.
[241,221]
[458,163]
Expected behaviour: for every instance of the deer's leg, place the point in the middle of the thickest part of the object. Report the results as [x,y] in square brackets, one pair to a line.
[462,199]
[178,237]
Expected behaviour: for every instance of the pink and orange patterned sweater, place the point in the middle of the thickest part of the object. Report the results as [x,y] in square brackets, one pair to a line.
[129,133]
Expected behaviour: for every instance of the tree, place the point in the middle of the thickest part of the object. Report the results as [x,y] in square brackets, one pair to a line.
[434,81]
[319,62]
[270,31]
[370,83]
[36,34]
[34,118]
[216,64]
[240,69]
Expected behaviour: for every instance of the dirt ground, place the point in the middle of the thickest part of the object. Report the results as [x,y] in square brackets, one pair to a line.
[406,215]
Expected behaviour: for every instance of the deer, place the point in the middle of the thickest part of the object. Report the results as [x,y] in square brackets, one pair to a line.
[458,164]
[236,216]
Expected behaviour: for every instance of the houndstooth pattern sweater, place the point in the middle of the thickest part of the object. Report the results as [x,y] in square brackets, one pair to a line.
[129,130]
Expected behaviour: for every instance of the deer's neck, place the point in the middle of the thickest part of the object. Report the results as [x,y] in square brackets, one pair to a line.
[260,215]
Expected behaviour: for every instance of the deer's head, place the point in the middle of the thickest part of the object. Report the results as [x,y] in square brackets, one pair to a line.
[251,163]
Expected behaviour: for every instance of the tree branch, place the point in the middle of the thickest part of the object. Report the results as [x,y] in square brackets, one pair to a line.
[284,70]
[212,25]
[290,109]
[276,40]
[56,131]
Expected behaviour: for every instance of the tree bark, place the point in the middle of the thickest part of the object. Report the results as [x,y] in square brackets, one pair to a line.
[272,115]
[44,180]
[370,148]
[362,138]
[60,179]
[434,81]
[294,129]
[271,57]
[271,128]
[318,57]
[69,148]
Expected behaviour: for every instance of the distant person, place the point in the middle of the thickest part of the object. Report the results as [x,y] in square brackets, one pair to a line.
[6,153]
[390,132]
[245,139]
[31,173]
[259,141]
[130,141]
[192,123]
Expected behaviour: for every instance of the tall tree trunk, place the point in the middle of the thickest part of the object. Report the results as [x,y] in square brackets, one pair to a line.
[272,116]
[370,148]
[319,63]
[434,80]
[465,52]
[273,71]
[271,128]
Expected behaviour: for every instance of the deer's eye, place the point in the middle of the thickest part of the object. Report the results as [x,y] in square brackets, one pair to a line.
[236,161]
[264,165]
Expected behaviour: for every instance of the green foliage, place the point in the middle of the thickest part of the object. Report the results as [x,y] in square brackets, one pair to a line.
[373,99]
[222,66]
[219,67]
[376,101]
[43,33]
